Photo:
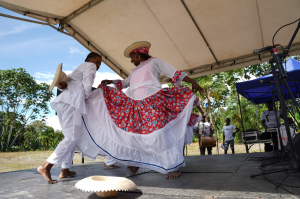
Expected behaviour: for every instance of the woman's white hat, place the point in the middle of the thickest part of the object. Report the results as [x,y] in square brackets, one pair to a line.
[136,45]
[105,186]
[59,76]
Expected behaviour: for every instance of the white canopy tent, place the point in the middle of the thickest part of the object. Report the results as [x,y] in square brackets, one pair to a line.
[200,37]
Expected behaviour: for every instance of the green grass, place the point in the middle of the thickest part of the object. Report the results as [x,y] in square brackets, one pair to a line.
[193,149]
[13,161]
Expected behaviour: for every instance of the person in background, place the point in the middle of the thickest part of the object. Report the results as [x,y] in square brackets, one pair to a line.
[228,136]
[204,128]
[268,120]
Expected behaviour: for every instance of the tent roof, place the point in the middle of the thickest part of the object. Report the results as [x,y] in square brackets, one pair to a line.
[199,37]
[259,93]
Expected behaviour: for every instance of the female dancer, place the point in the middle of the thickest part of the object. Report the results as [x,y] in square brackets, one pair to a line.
[148,125]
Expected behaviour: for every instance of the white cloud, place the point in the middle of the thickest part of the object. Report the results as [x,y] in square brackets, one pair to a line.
[73,50]
[53,122]
[43,77]
[46,75]
[103,76]
[17,29]
[27,45]
[165,86]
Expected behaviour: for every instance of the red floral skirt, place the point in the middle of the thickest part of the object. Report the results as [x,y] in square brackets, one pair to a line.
[150,114]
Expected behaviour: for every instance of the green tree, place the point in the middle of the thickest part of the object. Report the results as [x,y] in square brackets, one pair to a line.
[22,100]
[38,135]
[251,118]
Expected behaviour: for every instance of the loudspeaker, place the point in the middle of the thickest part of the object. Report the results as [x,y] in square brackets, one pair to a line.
[296,145]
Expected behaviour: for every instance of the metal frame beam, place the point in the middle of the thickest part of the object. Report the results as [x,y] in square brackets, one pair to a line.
[238,62]
[76,35]
[199,30]
[81,10]
[22,19]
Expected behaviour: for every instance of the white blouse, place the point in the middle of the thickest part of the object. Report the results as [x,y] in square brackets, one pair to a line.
[143,80]
[80,83]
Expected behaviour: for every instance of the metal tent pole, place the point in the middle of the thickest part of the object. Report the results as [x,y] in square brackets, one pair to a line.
[256,114]
[247,150]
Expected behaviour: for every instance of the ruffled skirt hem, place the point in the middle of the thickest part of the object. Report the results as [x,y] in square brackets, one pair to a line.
[161,150]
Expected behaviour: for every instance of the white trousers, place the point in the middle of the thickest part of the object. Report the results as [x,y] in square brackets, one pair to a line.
[110,161]
[70,120]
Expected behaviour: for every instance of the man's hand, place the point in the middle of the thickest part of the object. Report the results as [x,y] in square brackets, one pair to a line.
[105,82]
[62,85]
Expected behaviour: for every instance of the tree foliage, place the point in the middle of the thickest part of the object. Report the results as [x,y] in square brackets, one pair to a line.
[220,98]
[22,100]
[38,135]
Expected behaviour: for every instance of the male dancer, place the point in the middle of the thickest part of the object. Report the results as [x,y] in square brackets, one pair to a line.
[70,106]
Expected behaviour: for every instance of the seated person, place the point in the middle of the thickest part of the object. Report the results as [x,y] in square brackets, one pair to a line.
[268,120]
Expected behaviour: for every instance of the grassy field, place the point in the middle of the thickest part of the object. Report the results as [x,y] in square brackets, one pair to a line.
[193,149]
[13,161]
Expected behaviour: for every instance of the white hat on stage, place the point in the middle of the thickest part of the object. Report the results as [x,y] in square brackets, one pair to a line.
[59,76]
[105,186]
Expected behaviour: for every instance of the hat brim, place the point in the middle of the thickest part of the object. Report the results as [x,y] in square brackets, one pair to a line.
[136,45]
[105,183]
[56,76]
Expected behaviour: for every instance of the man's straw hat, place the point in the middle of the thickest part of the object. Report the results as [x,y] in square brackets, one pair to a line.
[105,186]
[136,45]
[59,76]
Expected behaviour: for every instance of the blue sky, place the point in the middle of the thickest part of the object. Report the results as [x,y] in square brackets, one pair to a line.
[39,49]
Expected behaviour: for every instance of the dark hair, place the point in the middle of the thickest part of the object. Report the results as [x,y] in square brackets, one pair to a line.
[92,55]
[145,56]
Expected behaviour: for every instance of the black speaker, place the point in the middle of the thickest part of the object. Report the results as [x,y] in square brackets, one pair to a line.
[296,145]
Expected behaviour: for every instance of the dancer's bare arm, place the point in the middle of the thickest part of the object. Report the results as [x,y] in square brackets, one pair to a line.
[106,81]
[195,86]
[200,109]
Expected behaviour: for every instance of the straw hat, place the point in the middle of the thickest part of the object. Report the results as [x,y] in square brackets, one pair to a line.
[59,76]
[136,45]
[105,186]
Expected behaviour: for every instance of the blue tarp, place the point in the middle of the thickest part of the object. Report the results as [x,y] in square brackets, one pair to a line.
[259,93]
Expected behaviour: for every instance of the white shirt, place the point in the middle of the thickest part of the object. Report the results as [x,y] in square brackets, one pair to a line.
[79,88]
[203,128]
[228,131]
[143,80]
[270,118]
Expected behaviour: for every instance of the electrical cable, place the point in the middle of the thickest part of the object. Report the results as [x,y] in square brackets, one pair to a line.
[282,27]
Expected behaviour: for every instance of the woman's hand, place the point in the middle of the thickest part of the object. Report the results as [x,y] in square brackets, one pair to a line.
[168,80]
[105,82]
[196,87]
[62,85]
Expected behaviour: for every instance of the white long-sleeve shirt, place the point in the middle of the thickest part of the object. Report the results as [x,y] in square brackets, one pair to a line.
[79,88]
[143,81]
